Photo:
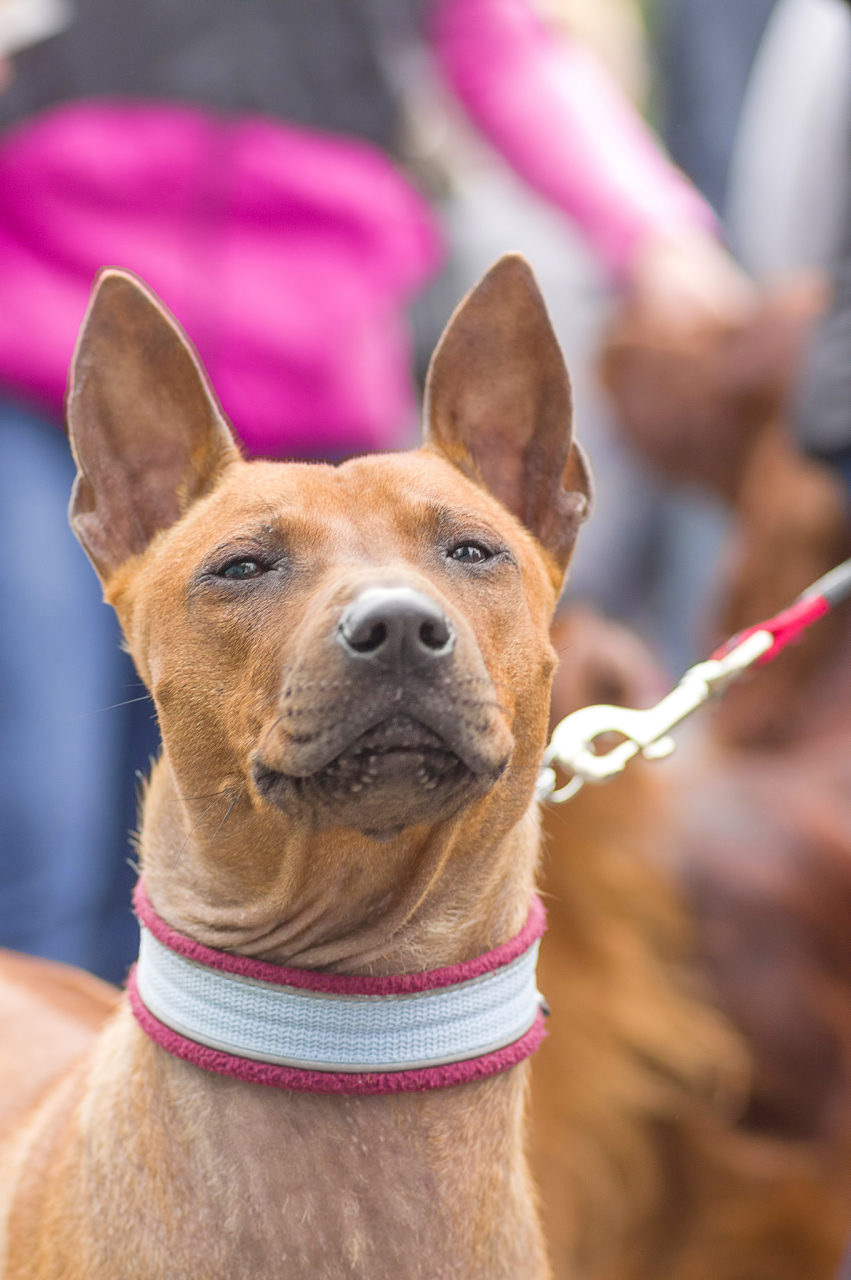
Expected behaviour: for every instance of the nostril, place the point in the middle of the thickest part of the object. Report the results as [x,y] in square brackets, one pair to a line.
[367,639]
[434,634]
[394,627]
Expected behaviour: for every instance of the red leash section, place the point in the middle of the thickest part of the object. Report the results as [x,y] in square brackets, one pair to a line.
[784,627]
[787,626]
[573,743]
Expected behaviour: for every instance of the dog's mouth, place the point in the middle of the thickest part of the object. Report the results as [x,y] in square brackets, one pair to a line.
[397,751]
[396,774]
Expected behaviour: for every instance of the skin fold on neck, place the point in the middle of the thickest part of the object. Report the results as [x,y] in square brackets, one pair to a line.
[339,901]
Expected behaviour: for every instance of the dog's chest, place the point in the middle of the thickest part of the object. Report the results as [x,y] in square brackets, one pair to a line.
[217,1178]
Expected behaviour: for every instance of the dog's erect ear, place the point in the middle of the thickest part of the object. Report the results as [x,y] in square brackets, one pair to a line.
[498,406]
[147,433]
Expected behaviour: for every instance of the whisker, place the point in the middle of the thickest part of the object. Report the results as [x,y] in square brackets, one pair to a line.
[223,821]
[224,791]
[69,719]
[186,841]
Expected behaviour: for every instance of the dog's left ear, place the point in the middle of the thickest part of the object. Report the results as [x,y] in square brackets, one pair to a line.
[498,407]
[146,430]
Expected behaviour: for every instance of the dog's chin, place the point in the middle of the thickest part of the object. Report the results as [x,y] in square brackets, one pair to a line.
[398,774]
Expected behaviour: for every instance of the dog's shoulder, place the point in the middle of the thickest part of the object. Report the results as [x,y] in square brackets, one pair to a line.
[49,1014]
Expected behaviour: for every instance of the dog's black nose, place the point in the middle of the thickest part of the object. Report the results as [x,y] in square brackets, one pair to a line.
[395,627]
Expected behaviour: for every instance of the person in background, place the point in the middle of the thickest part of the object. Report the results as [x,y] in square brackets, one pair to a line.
[759,114]
[243,159]
[756,107]
[706,51]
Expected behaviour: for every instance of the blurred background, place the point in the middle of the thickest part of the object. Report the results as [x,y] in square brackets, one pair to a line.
[311,186]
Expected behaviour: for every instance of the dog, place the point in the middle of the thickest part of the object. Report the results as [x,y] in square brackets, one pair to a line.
[351,669]
[640,1146]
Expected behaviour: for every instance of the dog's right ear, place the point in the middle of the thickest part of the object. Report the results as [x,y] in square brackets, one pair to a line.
[147,433]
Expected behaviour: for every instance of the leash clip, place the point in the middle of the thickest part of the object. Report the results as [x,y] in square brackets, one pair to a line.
[647,732]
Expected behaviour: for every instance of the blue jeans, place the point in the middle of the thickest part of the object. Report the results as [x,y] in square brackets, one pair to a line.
[66,759]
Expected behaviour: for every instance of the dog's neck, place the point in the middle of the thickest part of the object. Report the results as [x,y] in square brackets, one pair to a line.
[335,899]
[445,1168]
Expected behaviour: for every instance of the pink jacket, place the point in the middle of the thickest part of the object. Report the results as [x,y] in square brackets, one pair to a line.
[290,256]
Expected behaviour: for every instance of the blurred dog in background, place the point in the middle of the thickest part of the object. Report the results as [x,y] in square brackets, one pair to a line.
[686,1145]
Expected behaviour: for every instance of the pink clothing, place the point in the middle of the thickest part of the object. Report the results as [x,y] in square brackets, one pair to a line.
[556,116]
[290,256]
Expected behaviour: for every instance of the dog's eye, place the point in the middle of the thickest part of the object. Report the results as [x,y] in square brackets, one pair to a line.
[241,569]
[469,553]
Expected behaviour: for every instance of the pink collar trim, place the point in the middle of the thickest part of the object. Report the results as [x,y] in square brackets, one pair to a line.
[303,981]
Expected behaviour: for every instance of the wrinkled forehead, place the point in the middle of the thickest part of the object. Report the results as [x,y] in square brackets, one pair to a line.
[373,507]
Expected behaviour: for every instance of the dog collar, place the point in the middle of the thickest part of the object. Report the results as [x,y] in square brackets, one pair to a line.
[331,1033]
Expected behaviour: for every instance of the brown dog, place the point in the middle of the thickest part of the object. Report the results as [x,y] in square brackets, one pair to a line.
[644,1168]
[351,667]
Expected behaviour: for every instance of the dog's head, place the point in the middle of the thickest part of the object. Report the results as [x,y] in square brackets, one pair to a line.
[362,646]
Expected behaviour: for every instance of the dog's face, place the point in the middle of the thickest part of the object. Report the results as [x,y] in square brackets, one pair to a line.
[361,646]
[355,645]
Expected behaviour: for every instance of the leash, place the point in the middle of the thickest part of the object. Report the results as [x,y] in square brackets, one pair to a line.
[647,732]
